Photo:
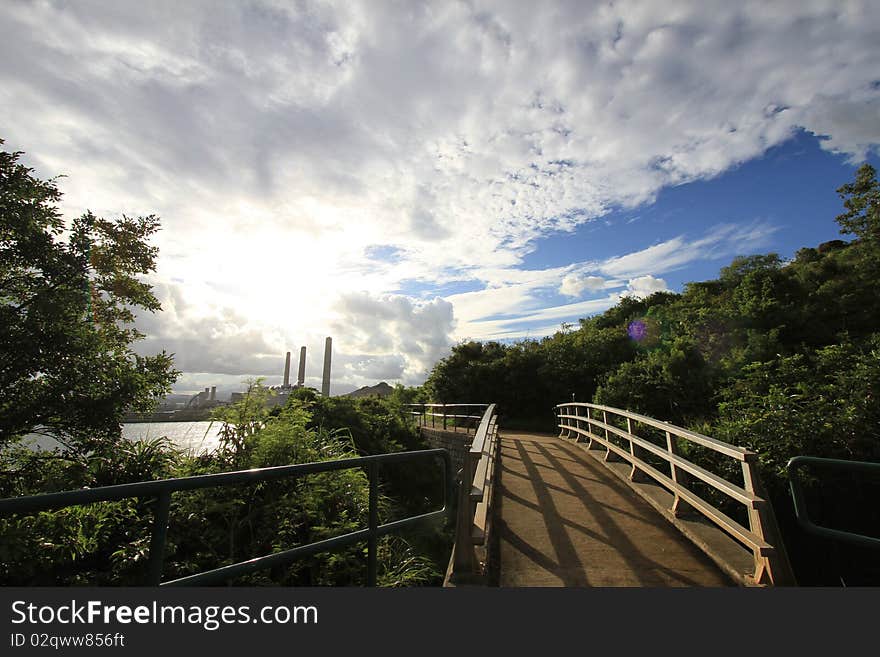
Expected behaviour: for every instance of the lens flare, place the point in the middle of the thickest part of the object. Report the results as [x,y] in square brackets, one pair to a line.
[637,330]
[645,331]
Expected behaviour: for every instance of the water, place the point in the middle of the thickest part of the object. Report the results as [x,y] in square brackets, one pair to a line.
[193,437]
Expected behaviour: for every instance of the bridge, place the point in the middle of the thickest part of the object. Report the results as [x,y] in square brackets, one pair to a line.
[615,499]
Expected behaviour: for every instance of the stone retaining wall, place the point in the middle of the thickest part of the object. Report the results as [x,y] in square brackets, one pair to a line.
[458,443]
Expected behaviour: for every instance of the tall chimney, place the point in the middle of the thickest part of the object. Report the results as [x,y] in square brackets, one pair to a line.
[301,379]
[213,393]
[325,382]
[287,370]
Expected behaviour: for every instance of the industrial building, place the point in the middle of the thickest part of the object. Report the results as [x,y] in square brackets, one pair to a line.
[284,390]
[205,399]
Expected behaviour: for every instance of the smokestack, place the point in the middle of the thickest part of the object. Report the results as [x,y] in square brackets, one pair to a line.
[213,393]
[287,371]
[325,382]
[301,379]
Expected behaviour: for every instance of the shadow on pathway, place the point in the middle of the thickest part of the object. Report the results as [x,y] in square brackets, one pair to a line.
[564,520]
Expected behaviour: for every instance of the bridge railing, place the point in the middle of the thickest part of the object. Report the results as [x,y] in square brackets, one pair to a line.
[479,460]
[603,425]
[448,416]
[794,467]
[477,477]
[162,490]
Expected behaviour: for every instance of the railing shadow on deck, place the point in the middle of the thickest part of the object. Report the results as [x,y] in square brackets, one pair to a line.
[722,538]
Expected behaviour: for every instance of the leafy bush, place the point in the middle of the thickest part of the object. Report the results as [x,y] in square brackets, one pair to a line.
[108,543]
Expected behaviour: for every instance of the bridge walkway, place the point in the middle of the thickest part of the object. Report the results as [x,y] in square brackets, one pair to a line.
[563,519]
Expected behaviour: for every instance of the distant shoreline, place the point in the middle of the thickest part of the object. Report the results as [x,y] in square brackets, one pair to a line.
[183,415]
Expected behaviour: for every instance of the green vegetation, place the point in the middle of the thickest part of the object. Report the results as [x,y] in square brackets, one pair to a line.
[67,300]
[108,543]
[780,357]
[68,294]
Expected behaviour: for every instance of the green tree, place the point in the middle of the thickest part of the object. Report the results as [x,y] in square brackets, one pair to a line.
[68,294]
[862,201]
[241,421]
[672,384]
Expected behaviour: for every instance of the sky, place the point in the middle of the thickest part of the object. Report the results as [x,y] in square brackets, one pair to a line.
[403,176]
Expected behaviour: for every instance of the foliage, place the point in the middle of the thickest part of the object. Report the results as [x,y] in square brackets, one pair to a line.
[672,383]
[108,543]
[242,420]
[861,198]
[822,402]
[68,297]
[68,294]
[781,357]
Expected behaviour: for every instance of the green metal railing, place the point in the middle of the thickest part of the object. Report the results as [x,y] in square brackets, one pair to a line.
[800,507]
[448,414]
[162,490]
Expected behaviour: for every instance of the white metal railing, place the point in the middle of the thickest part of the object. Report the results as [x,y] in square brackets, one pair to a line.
[596,423]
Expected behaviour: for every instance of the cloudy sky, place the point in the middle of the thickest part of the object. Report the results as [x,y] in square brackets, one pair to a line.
[402,176]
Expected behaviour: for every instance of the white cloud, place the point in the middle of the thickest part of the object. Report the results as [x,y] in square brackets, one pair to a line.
[515,305]
[208,338]
[574,285]
[391,337]
[539,323]
[279,142]
[644,286]
[719,242]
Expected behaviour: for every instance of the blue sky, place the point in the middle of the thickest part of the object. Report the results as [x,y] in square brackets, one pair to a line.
[792,188]
[779,202]
[404,176]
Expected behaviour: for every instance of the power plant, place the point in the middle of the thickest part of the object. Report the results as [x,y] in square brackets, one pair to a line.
[325,381]
[205,399]
[208,398]
[301,378]
[286,387]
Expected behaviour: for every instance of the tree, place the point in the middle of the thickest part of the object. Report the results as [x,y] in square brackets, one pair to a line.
[862,201]
[672,383]
[68,294]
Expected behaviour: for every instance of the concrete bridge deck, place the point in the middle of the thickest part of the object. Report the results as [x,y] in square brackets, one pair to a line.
[563,519]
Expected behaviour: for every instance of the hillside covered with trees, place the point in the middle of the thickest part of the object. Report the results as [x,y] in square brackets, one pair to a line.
[782,357]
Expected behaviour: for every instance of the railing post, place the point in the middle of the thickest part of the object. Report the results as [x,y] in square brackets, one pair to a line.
[679,507]
[589,429]
[372,545]
[776,568]
[635,452]
[444,417]
[157,541]
[607,438]
[673,472]
[464,565]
